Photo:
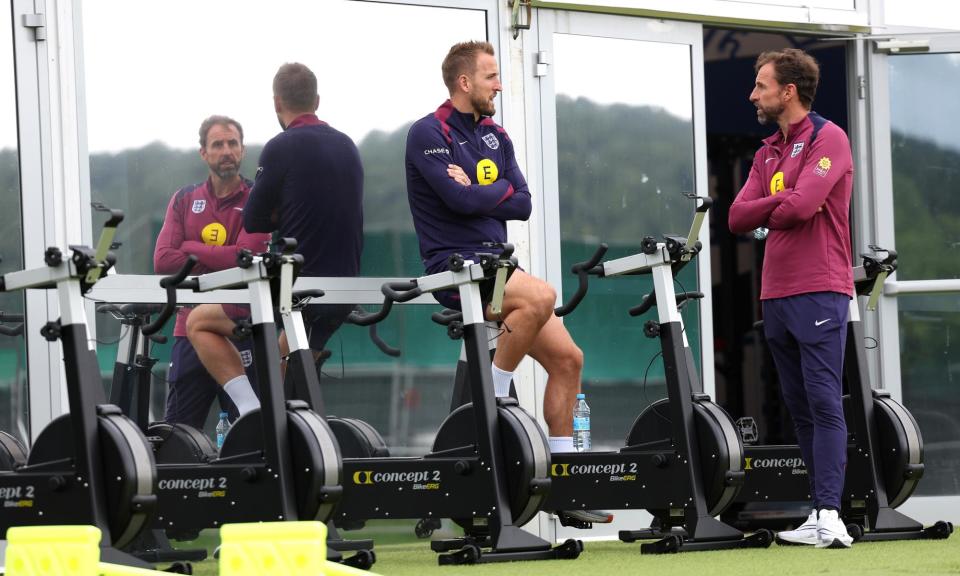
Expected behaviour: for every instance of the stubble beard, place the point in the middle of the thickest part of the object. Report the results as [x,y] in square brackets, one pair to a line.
[483,106]
[226,173]
[769,115]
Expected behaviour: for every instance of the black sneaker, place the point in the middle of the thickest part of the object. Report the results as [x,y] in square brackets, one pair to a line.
[584,518]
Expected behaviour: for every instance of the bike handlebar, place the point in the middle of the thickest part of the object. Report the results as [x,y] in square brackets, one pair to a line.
[14,330]
[393,292]
[446,316]
[650,300]
[583,271]
[171,283]
[382,344]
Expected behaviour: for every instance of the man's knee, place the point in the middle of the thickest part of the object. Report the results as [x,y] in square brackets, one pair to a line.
[205,318]
[537,295]
[546,298]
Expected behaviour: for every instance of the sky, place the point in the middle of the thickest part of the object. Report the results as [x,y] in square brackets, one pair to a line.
[638,72]
[378,65]
[154,70]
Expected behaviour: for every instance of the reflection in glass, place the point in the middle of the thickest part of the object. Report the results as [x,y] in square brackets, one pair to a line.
[925,144]
[625,160]
[14,404]
[375,79]
[930,372]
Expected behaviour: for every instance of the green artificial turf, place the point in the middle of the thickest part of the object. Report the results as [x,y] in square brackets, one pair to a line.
[601,558]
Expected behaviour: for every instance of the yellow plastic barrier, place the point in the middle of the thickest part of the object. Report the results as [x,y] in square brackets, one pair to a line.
[278,549]
[60,551]
[53,550]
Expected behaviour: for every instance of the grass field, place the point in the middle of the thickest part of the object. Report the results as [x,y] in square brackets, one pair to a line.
[398,555]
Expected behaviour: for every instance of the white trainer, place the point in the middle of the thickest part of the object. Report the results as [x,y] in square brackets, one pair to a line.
[831,531]
[806,533]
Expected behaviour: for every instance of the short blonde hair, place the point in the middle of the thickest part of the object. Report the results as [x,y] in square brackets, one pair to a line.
[462,59]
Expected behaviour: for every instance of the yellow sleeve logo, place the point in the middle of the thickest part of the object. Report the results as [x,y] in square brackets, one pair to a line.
[823,166]
[486,172]
[214,234]
[776,183]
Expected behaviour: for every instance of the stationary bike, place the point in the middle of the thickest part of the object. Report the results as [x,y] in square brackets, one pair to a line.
[132,378]
[279,462]
[665,474]
[91,466]
[498,476]
[884,445]
[130,391]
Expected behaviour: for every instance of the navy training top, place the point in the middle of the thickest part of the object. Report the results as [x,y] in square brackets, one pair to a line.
[449,217]
[309,186]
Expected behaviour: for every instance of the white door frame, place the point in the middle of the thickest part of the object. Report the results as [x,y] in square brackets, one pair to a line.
[542,178]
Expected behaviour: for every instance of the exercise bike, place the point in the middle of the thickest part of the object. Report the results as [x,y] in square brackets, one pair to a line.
[130,391]
[279,462]
[132,378]
[93,465]
[498,476]
[666,474]
[884,445]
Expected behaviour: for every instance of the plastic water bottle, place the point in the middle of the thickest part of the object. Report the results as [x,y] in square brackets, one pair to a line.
[223,426]
[581,424]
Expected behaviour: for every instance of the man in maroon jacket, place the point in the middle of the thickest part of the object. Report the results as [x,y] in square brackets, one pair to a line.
[206,220]
[799,189]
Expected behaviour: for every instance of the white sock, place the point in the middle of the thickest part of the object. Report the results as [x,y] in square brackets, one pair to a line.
[241,392]
[561,444]
[501,381]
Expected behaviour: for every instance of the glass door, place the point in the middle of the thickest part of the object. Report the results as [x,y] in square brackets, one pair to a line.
[24,408]
[621,117]
[13,364]
[918,175]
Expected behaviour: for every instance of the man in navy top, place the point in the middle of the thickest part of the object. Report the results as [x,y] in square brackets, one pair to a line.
[309,186]
[463,184]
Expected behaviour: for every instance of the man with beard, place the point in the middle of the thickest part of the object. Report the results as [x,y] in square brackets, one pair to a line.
[799,188]
[206,220]
[309,187]
[463,185]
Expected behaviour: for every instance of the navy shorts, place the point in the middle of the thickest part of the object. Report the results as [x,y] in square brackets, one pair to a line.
[191,390]
[451,298]
[322,320]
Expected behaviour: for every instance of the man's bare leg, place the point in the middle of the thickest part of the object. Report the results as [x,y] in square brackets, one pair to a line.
[530,327]
[555,350]
[209,330]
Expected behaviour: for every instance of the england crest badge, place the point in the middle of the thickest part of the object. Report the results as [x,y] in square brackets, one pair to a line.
[797,149]
[491,141]
[198,206]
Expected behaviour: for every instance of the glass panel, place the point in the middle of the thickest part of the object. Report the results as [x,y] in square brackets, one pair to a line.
[625,159]
[14,403]
[925,144]
[375,79]
[930,372]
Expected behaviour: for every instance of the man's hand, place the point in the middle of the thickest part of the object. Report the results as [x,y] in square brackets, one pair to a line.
[458,175]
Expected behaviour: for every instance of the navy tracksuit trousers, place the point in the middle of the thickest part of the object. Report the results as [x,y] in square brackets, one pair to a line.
[806,334]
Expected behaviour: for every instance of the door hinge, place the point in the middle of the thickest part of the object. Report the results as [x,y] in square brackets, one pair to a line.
[543,64]
[861,88]
[37,21]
